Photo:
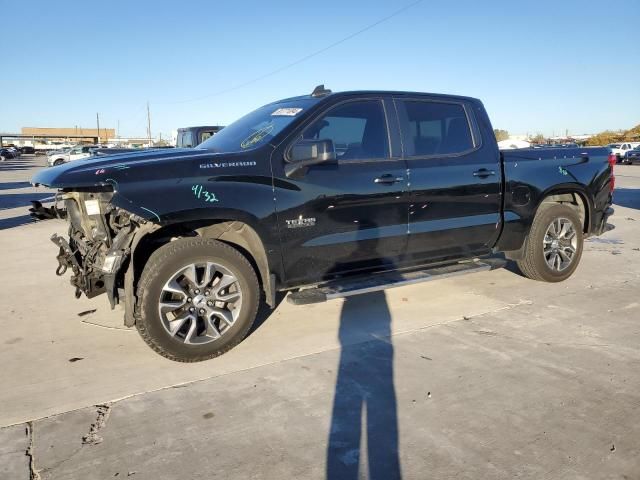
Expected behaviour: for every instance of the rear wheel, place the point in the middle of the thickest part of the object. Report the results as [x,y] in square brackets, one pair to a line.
[197,298]
[58,162]
[553,247]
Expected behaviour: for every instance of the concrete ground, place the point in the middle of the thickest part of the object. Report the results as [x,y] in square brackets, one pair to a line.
[484,376]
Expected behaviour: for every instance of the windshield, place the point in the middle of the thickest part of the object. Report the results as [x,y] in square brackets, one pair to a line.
[614,145]
[258,127]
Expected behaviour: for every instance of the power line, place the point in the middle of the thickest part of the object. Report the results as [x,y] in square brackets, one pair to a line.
[300,60]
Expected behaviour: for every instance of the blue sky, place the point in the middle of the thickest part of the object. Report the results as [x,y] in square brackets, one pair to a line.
[542,66]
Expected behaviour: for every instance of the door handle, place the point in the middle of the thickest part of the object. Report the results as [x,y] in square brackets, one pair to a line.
[388,179]
[483,172]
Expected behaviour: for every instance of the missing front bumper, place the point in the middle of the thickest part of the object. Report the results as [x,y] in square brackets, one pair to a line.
[90,285]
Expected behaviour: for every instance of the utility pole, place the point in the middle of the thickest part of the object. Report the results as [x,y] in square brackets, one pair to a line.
[98,122]
[118,131]
[148,124]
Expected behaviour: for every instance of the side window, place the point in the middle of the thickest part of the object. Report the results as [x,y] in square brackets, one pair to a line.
[357,129]
[437,128]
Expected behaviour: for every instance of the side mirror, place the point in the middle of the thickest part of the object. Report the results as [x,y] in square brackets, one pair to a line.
[305,153]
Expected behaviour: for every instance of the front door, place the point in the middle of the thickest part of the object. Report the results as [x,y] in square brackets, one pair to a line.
[350,214]
[455,181]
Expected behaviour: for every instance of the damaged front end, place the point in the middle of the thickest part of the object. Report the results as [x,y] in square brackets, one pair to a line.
[98,248]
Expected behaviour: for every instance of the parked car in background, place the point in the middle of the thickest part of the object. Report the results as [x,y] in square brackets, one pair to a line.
[620,149]
[632,156]
[27,150]
[190,137]
[6,154]
[14,150]
[76,153]
[327,195]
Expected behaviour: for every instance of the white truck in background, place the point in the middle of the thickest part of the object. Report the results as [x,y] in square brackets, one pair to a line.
[620,149]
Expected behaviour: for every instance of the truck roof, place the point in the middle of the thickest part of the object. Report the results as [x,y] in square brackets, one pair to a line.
[199,126]
[379,92]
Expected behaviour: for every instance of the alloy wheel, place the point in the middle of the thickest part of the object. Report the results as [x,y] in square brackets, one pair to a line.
[560,244]
[200,303]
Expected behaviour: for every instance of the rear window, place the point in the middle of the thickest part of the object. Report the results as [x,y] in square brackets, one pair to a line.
[437,128]
[185,140]
[614,145]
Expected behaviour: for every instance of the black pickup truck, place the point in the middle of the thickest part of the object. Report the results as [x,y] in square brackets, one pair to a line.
[322,195]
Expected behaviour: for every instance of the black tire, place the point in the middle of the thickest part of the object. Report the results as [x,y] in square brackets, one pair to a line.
[58,162]
[533,263]
[162,264]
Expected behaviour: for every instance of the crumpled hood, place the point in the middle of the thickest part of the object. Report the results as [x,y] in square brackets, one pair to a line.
[90,171]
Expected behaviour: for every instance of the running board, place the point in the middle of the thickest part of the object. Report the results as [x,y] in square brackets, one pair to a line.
[382,281]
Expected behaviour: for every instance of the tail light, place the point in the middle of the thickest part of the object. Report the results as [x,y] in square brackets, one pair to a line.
[612,162]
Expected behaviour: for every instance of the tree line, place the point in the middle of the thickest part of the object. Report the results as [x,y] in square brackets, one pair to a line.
[602,138]
[608,136]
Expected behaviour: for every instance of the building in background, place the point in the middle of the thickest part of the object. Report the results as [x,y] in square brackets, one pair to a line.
[103,135]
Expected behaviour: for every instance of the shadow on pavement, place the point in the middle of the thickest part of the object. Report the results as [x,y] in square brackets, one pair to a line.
[6,223]
[15,164]
[15,200]
[14,185]
[627,197]
[264,312]
[365,400]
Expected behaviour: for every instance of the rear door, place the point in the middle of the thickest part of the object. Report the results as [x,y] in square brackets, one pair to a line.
[455,180]
[352,214]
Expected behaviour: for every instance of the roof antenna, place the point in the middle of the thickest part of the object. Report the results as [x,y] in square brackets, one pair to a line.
[320,91]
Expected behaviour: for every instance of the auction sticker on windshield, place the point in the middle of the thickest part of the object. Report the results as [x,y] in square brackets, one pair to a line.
[286,112]
[257,136]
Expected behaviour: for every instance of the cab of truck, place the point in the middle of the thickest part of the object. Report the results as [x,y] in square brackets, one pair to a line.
[191,137]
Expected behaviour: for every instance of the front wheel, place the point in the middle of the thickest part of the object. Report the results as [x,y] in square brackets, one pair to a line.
[553,247]
[58,162]
[197,299]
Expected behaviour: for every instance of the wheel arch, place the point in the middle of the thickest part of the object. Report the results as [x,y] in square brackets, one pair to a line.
[573,196]
[235,233]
